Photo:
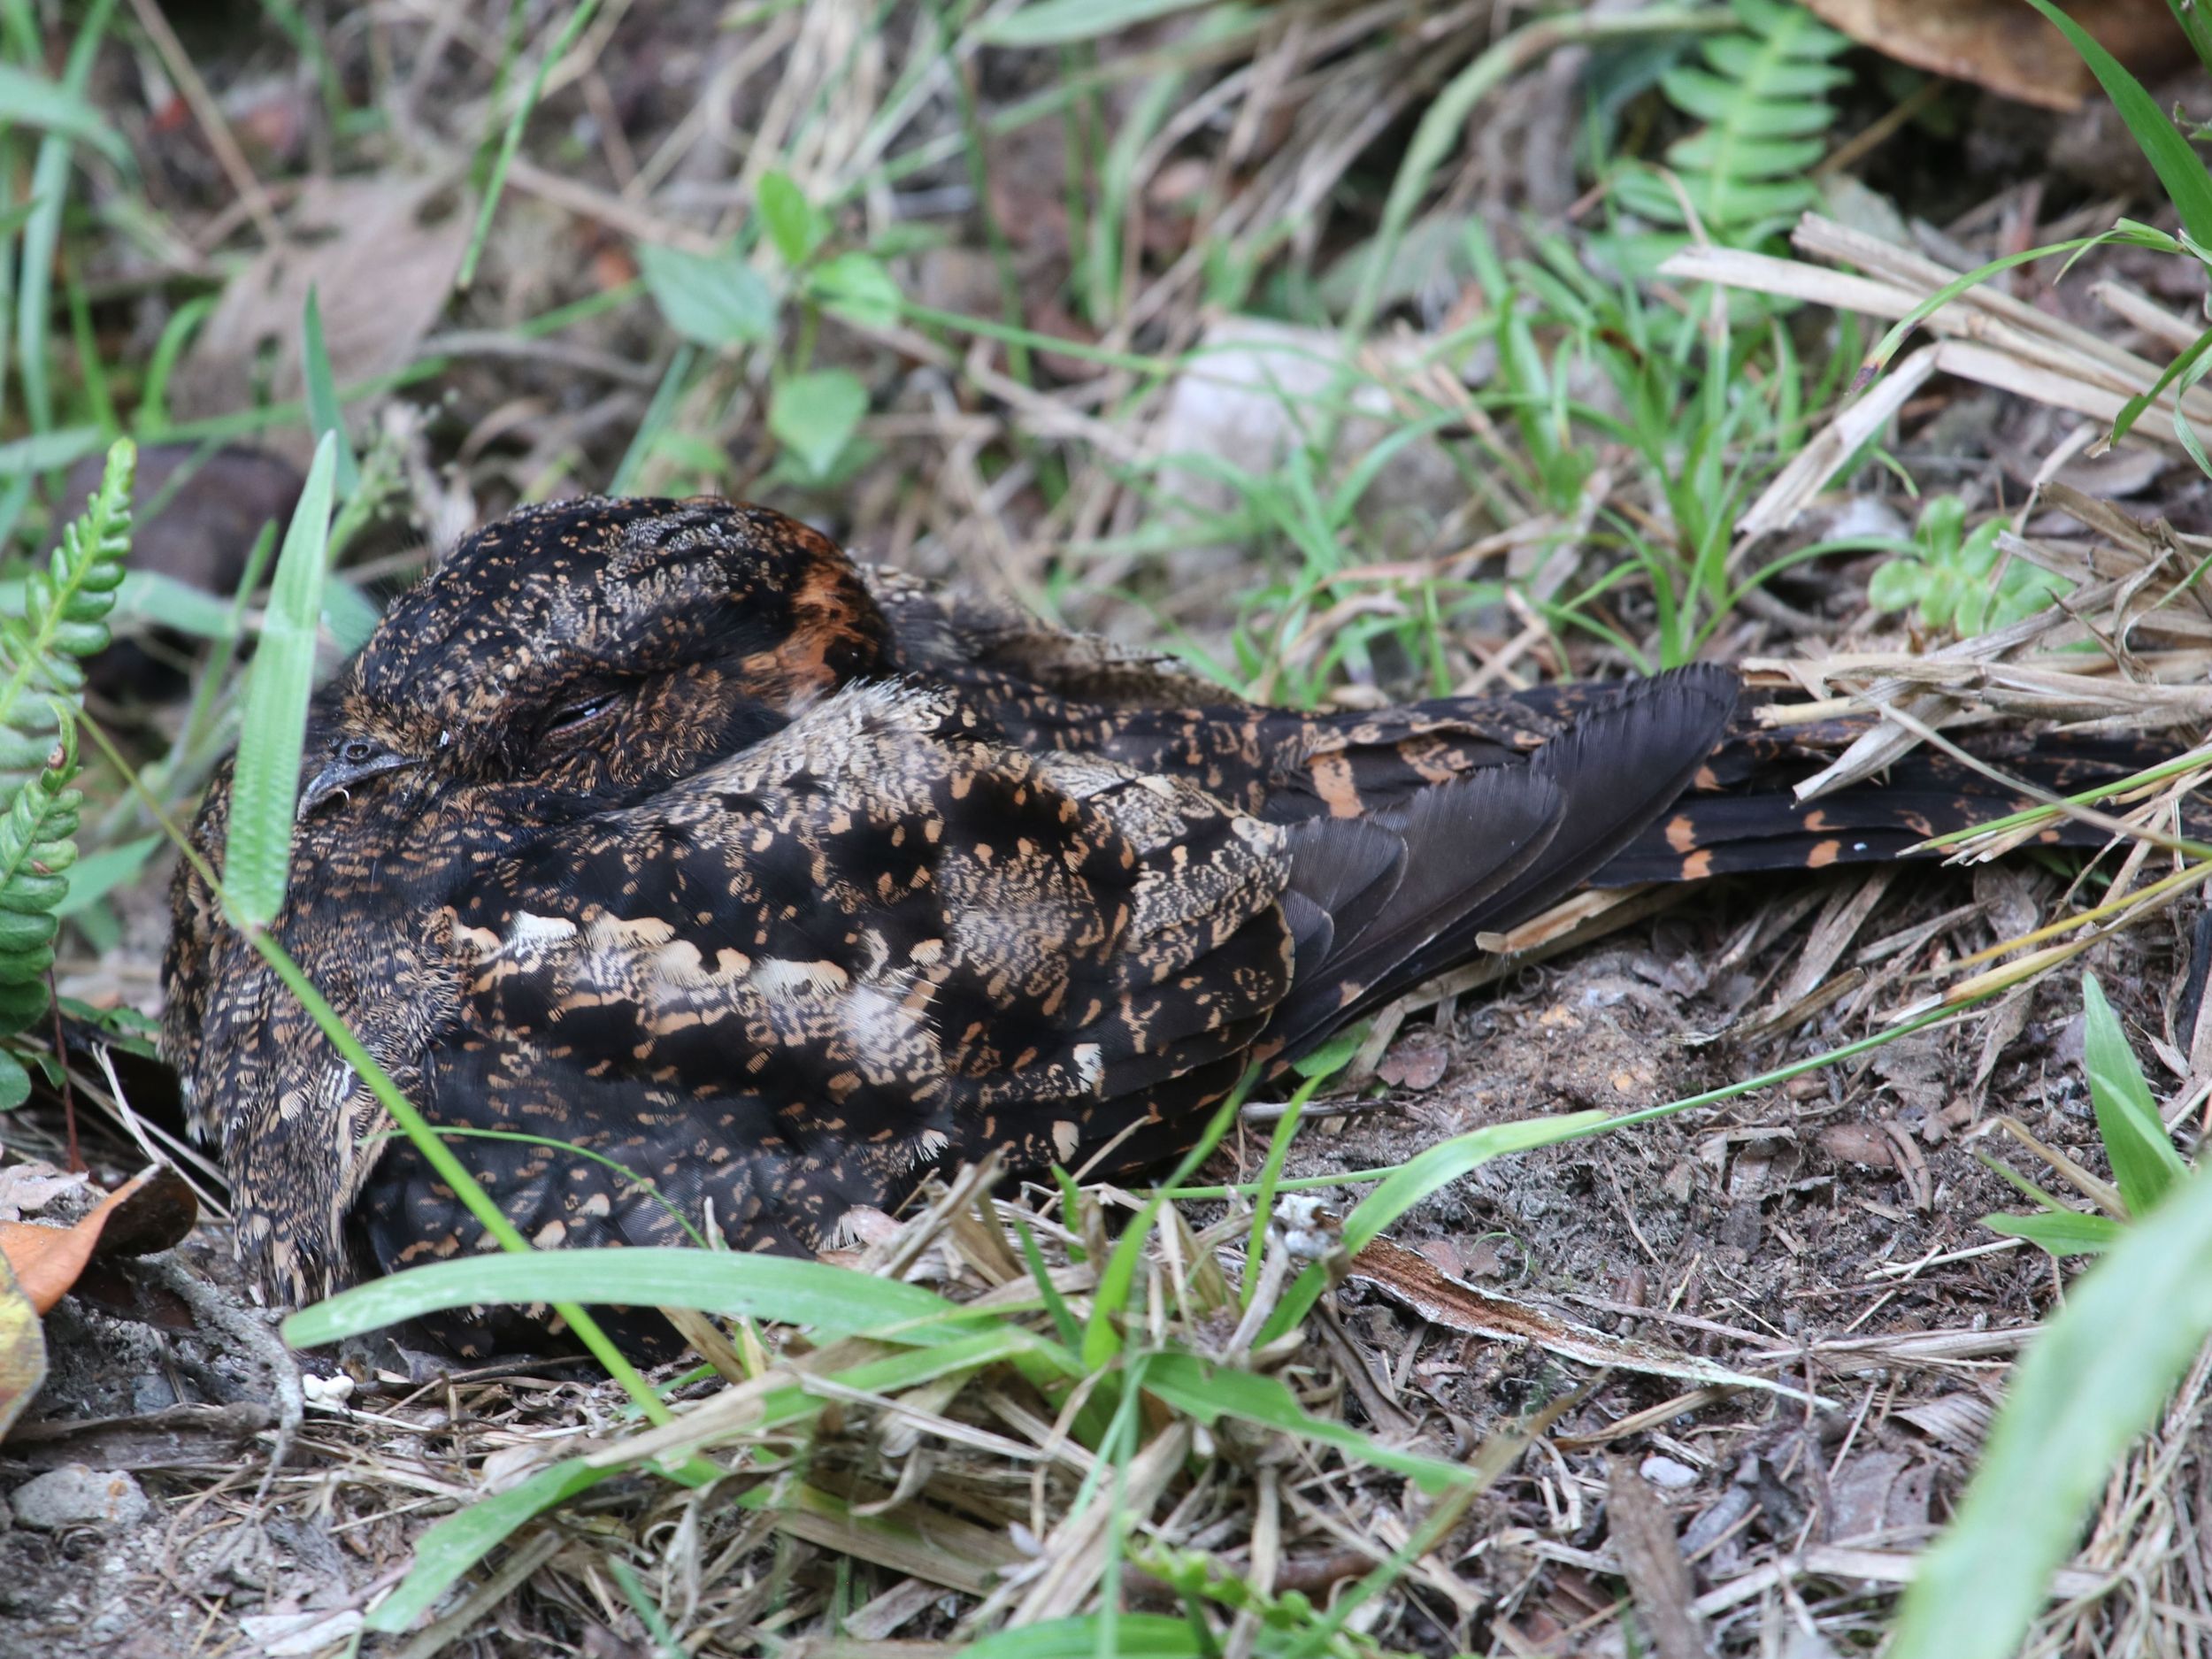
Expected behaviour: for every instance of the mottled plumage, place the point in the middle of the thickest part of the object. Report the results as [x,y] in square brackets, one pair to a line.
[735,886]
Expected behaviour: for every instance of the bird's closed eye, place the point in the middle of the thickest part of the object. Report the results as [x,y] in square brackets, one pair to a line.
[574,716]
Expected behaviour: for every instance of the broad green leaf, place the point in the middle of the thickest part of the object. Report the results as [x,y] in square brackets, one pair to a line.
[710,299]
[257,858]
[2145,1165]
[15,1086]
[856,286]
[814,415]
[833,1300]
[459,1541]
[2097,1377]
[2061,1233]
[793,225]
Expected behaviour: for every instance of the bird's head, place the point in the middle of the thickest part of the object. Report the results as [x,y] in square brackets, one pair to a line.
[583,653]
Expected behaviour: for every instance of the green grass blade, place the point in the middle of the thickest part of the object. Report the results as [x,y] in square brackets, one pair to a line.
[834,1300]
[1139,1635]
[1271,1172]
[2196,27]
[324,411]
[44,451]
[49,191]
[2179,168]
[510,140]
[459,1541]
[2096,1378]
[2144,1166]
[257,858]
[2061,1233]
[29,100]
[1063,22]
[1415,1179]
[1055,1304]
[1885,348]
[1101,1341]
[1444,122]
[1208,1392]
[2132,409]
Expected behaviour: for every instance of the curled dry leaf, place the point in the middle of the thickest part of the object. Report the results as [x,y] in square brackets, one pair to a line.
[150,1212]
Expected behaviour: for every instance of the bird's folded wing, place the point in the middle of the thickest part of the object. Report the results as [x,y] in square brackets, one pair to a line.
[865,947]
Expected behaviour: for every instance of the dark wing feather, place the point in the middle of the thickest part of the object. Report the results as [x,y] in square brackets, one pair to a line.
[1496,846]
[1458,843]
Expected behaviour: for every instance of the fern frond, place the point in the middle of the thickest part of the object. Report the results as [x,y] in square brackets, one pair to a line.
[37,846]
[64,620]
[1761,93]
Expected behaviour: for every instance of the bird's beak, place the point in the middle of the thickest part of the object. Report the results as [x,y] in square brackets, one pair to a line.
[341,775]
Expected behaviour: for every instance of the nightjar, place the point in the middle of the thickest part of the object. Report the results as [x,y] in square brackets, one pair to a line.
[736,884]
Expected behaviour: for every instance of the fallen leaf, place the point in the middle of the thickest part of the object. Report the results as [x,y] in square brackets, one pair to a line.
[2004,46]
[1417,1064]
[1877,1496]
[1858,1143]
[151,1211]
[22,1349]
[379,252]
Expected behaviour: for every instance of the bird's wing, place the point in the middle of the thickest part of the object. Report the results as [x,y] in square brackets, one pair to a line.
[1495,844]
[866,946]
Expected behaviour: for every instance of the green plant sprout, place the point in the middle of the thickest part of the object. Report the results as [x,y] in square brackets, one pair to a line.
[1951,579]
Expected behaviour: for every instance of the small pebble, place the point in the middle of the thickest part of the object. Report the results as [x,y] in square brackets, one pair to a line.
[1666,1474]
[75,1495]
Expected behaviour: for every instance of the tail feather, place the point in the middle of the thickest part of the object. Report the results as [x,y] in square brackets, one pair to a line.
[1742,815]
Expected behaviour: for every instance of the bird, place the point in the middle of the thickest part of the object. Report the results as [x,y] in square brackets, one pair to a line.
[713,885]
